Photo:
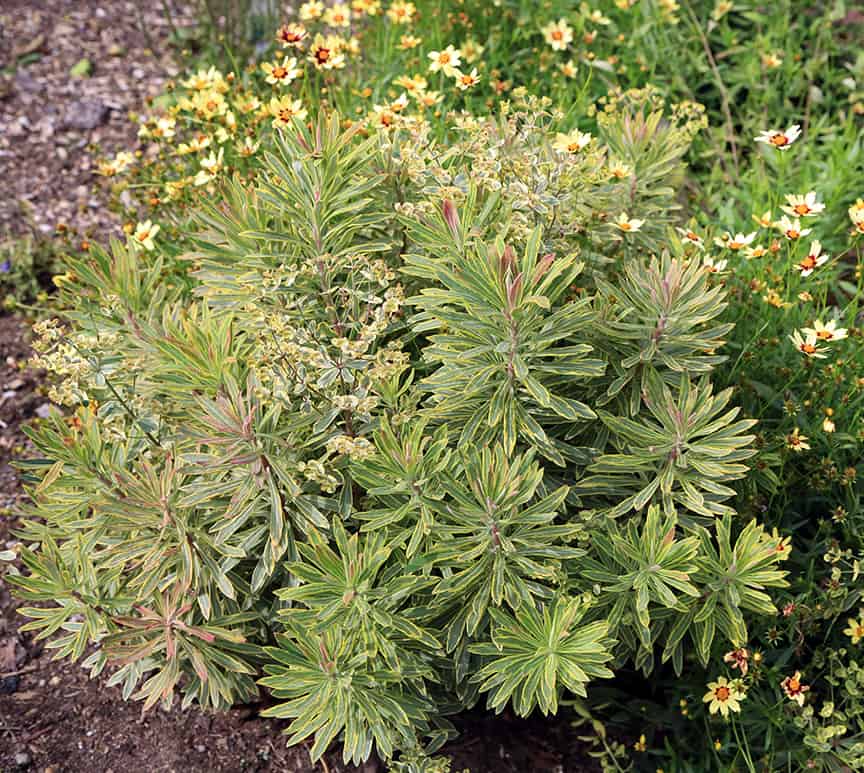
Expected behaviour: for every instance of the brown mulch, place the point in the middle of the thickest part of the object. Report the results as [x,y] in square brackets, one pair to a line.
[53,123]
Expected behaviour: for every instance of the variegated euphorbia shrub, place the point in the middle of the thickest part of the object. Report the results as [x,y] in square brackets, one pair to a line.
[419,423]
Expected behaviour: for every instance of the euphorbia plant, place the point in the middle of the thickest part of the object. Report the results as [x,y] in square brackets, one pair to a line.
[511,490]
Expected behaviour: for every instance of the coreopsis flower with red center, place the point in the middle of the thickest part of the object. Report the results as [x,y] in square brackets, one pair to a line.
[828,425]
[558,34]
[791,228]
[311,10]
[855,631]
[797,442]
[827,332]
[568,69]
[803,206]
[407,42]
[627,224]
[326,53]
[337,16]
[808,344]
[145,233]
[641,745]
[467,80]
[401,12]
[446,61]
[771,61]
[723,696]
[794,689]
[812,260]
[292,35]
[690,237]
[367,7]
[281,73]
[737,242]
[738,658]
[589,37]
[284,110]
[783,546]
[572,142]
[780,139]
[385,116]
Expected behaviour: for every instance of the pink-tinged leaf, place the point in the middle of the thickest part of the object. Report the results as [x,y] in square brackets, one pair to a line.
[508,260]
[451,217]
[542,267]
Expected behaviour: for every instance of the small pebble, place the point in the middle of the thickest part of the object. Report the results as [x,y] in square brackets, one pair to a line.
[22,759]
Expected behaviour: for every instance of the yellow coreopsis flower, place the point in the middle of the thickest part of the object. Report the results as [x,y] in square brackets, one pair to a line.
[284,110]
[407,42]
[780,139]
[314,9]
[120,163]
[794,689]
[558,34]
[466,80]
[326,53]
[248,147]
[208,104]
[338,16]
[568,69]
[797,442]
[195,145]
[737,242]
[572,142]
[211,166]
[771,61]
[791,228]
[826,332]
[368,7]
[812,260]
[205,80]
[627,224]
[471,50]
[691,237]
[413,84]
[401,12]
[291,35]
[722,696]
[446,61]
[807,344]
[803,206]
[281,73]
[144,234]
[855,631]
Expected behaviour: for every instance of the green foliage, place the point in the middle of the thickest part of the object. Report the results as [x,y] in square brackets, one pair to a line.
[271,468]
